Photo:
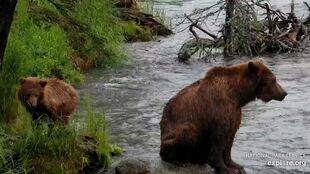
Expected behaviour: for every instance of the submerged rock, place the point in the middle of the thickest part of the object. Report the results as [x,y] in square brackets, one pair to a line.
[131,166]
[150,165]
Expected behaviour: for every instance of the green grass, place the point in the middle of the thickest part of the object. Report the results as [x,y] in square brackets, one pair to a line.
[133,32]
[33,50]
[57,38]
[45,41]
[56,149]
[98,15]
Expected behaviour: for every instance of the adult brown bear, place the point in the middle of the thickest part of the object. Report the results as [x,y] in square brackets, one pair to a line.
[51,97]
[199,123]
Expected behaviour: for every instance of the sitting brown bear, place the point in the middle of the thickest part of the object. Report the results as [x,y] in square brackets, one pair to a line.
[52,97]
[199,123]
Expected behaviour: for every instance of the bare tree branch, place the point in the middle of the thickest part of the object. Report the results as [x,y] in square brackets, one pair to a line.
[194,24]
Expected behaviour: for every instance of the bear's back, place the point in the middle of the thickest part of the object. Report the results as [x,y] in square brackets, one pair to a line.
[60,94]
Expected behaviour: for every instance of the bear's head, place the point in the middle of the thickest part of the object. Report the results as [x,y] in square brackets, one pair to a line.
[30,91]
[267,86]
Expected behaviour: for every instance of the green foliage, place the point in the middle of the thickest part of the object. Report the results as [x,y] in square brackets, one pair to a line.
[94,34]
[40,47]
[44,148]
[47,36]
[55,142]
[33,50]
[42,50]
[96,127]
[98,16]
[134,32]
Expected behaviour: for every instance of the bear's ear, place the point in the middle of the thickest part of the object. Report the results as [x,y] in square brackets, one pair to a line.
[22,80]
[252,68]
[43,83]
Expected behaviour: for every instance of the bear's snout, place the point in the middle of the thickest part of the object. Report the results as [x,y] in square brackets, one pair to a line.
[281,97]
[282,93]
[32,101]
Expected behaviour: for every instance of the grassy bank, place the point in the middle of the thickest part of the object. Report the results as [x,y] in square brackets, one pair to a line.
[144,22]
[55,38]
[78,148]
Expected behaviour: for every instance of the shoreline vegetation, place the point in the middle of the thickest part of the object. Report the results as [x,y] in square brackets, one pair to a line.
[141,21]
[63,39]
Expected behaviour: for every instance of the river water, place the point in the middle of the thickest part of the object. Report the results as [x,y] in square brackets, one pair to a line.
[274,137]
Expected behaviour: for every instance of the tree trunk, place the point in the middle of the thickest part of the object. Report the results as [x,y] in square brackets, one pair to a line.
[228,29]
[292,6]
[7,8]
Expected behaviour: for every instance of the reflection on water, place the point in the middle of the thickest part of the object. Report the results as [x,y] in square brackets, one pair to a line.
[271,137]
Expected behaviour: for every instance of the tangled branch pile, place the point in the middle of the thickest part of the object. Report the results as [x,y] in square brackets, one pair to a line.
[243,33]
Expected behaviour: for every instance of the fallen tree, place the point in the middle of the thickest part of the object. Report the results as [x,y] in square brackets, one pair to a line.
[242,33]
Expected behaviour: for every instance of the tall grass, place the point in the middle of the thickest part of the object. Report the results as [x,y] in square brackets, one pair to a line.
[96,127]
[134,32]
[58,149]
[148,6]
[98,15]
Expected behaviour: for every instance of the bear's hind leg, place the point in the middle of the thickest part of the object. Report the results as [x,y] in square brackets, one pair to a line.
[179,145]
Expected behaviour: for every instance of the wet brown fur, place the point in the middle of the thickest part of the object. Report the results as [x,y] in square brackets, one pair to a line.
[53,97]
[200,122]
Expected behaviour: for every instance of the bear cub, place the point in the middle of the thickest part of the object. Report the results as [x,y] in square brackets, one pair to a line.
[51,97]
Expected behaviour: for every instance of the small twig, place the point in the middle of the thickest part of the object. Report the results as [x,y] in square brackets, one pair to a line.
[193,31]
[277,12]
[307,5]
[199,11]
[283,45]
[201,29]
[280,13]
[285,33]
[269,19]
[275,22]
